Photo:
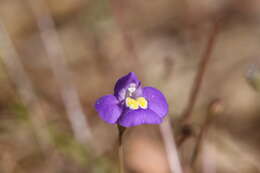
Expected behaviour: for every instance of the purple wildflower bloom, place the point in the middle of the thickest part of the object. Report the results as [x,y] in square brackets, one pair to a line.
[132,104]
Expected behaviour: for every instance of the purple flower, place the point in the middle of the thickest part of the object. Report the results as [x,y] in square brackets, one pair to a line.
[132,104]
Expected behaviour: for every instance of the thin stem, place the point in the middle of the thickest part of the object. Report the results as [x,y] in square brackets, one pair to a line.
[198,81]
[121,158]
[200,73]
[121,131]
[170,147]
[61,71]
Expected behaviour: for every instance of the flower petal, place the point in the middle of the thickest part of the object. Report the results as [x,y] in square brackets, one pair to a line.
[108,109]
[156,101]
[123,83]
[138,117]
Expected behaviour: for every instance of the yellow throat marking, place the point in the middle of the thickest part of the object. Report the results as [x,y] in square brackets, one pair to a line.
[136,103]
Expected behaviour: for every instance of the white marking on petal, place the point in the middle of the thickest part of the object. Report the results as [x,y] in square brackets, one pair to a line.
[131,88]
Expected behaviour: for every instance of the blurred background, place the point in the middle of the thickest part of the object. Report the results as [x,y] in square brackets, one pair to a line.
[58,57]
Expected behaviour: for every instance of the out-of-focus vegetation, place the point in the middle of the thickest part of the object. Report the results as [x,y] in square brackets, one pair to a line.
[163,41]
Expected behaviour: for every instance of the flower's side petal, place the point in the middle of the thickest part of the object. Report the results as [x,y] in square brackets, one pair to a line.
[138,117]
[156,101]
[108,109]
[123,83]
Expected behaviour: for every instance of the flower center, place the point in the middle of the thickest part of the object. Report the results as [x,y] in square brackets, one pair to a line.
[136,103]
[131,89]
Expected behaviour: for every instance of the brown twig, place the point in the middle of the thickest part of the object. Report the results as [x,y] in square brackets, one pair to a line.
[200,73]
[198,82]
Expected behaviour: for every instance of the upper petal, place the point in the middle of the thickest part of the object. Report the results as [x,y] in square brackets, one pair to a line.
[108,109]
[123,83]
[156,101]
[138,117]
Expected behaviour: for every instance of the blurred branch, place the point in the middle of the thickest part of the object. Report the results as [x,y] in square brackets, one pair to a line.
[24,86]
[61,71]
[197,84]
[170,147]
[200,73]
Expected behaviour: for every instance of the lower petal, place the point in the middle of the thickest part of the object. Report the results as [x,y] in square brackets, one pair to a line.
[156,101]
[108,109]
[138,117]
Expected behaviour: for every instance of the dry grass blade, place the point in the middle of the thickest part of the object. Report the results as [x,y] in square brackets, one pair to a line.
[24,86]
[61,72]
